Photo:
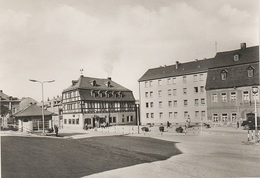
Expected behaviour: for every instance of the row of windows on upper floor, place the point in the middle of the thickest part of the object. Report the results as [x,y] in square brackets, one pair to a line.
[70,94]
[93,93]
[233,96]
[174,115]
[173,92]
[196,78]
[174,103]
[98,105]
[250,72]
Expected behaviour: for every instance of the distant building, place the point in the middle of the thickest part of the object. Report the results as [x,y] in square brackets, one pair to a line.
[229,87]
[54,105]
[93,101]
[8,106]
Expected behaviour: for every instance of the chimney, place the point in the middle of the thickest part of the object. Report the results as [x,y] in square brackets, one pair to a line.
[109,78]
[74,82]
[243,45]
[177,64]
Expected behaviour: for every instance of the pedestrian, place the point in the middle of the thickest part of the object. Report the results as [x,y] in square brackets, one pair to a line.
[86,126]
[237,124]
[168,124]
[56,130]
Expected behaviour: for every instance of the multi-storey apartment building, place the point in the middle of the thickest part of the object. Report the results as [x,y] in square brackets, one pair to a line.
[229,86]
[95,101]
[174,93]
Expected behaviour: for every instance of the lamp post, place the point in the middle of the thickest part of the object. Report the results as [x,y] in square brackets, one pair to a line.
[255,91]
[50,81]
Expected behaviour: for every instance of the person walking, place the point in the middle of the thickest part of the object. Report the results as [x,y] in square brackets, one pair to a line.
[56,129]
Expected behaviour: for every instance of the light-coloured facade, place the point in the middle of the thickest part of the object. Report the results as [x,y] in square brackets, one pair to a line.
[174,98]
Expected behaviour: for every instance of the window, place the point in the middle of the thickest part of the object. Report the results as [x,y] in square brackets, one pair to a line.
[215,118]
[202,101]
[114,119]
[151,104]
[127,118]
[214,98]
[169,92]
[250,71]
[185,102]
[123,119]
[151,94]
[224,75]
[197,113]
[245,95]
[169,81]
[236,57]
[175,114]
[173,80]
[159,82]
[132,118]
[195,78]
[184,79]
[202,89]
[65,121]
[152,115]
[69,121]
[233,96]
[196,102]
[196,89]
[175,103]
[174,92]
[201,77]
[150,83]
[145,84]
[170,104]
[185,91]
[203,113]
[146,94]
[224,117]
[73,121]
[147,115]
[233,117]
[223,97]
[147,105]
[160,93]
[160,104]
[170,115]
[186,114]
[161,115]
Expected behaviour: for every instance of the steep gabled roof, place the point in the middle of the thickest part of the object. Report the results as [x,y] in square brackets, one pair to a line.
[32,110]
[247,55]
[101,84]
[237,76]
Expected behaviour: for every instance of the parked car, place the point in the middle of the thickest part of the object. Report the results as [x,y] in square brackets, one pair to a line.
[145,129]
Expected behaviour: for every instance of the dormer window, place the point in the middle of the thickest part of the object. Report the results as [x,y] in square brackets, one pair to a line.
[93,93]
[108,84]
[250,71]
[94,83]
[224,75]
[236,56]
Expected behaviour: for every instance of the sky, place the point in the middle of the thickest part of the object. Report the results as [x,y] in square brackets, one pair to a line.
[121,39]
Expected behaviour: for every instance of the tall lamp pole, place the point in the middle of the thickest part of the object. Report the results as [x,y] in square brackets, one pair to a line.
[255,91]
[50,81]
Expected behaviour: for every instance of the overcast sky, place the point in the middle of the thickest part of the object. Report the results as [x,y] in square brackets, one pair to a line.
[122,39]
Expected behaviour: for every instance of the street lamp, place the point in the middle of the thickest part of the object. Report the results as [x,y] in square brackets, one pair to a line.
[255,91]
[50,81]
